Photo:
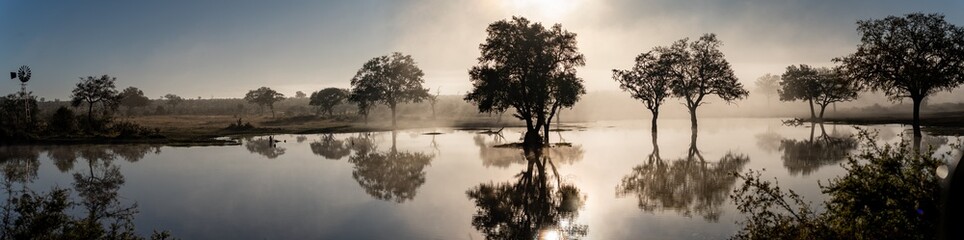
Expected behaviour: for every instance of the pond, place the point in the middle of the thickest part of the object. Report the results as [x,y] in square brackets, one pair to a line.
[607,180]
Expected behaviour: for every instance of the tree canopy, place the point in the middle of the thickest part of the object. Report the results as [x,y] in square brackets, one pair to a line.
[530,68]
[93,90]
[910,56]
[822,86]
[768,85]
[700,71]
[264,96]
[327,99]
[391,80]
[132,97]
[649,80]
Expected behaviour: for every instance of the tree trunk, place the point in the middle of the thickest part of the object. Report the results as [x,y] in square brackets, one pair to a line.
[917,133]
[655,116]
[812,115]
[272,110]
[693,117]
[393,117]
[90,111]
[822,108]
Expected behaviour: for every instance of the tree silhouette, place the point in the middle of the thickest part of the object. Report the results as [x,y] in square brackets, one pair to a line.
[391,80]
[530,68]
[264,96]
[702,70]
[822,86]
[327,99]
[132,97]
[92,90]
[536,204]
[686,185]
[649,80]
[330,148]
[912,56]
[173,100]
[390,176]
[768,85]
[300,94]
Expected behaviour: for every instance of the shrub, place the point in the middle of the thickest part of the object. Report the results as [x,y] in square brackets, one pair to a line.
[64,121]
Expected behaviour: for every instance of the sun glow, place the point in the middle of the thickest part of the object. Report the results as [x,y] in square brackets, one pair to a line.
[550,234]
[549,9]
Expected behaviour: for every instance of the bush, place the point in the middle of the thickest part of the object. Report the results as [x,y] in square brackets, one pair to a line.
[889,192]
[63,121]
[128,130]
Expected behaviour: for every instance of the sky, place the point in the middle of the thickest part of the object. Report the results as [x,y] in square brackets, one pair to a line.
[222,49]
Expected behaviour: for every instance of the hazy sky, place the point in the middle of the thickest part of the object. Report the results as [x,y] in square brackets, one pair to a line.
[224,48]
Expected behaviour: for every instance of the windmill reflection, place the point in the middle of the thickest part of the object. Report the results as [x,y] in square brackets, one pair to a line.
[391,176]
[806,156]
[687,185]
[535,205]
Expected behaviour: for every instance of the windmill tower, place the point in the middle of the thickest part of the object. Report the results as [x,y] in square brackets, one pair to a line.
[24,75]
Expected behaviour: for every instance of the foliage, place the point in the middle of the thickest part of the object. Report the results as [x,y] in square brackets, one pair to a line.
[13,124]
[173,100]
[93,90]
[327,99]
[911,56]
[63,121]
[700,70]
[391,80]
[300,94]
[649,80]
[889,192]
[264,96]
[768,85]
[132,97]
[822,86]
[391,175]
[530,68]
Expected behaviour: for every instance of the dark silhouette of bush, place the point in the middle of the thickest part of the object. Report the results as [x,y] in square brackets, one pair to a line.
[64,121]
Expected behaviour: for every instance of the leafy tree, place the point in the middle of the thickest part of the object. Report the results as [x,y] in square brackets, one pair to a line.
[63,120]
[391,80]
[264,96]
[132,97]
[327,99]
[768,85]
[822,86]
[530,68]
[173,100]
[702,70]
[800,83]
[912,56]
[93,90]
[649,80]
[300,94]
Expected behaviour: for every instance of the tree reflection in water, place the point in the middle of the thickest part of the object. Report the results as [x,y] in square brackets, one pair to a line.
[687,185]
[391,176]
[537,204]
[29,214]
[265,146]
[496,153]
[806,156]
[329,147]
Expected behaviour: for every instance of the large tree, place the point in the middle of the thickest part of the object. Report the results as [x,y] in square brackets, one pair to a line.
[912,56]
[132,97]
[173,100]
[530,68]
[93,90]
[649,80]
[264,96]
[701,71]
[391,80]
[768,85]
[833,88]
[800,83]
[327,99]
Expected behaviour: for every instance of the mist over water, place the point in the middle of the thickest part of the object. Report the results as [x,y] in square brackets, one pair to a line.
[411,185]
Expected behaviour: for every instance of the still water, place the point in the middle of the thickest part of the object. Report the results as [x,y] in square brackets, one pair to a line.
[609,180]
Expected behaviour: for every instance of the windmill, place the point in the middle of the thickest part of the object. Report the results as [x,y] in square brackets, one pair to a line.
[24,75]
